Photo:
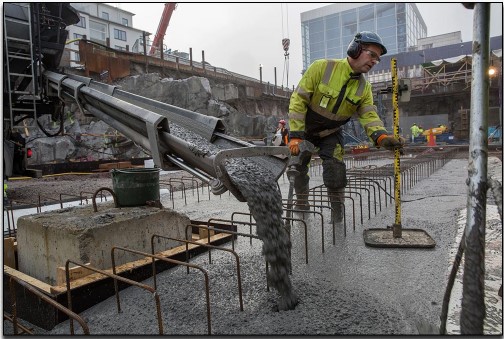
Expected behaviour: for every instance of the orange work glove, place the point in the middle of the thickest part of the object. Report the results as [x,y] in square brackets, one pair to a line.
[294,145]
[389,142]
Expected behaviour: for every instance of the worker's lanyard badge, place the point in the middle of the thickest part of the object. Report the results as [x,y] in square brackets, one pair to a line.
[324,101]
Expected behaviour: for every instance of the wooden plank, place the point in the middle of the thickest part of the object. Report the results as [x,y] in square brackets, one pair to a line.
[10,248]
[134,264]
[203,233]
[111,165]
[74,273]
[25,277]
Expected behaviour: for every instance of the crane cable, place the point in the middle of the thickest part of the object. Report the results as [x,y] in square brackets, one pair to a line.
[285,44]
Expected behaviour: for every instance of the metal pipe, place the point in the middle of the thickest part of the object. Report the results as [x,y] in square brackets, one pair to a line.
[473,291]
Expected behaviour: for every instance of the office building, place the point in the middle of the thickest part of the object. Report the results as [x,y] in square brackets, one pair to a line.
[327,31]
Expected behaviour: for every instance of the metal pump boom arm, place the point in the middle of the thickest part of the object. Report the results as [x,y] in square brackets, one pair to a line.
[163,24]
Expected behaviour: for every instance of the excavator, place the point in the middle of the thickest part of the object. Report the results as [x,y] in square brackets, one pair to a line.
[35,38]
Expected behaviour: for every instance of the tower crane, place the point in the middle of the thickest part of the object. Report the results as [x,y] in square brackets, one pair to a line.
[163,24]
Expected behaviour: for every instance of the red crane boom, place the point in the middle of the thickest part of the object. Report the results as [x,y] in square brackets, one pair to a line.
[163,24]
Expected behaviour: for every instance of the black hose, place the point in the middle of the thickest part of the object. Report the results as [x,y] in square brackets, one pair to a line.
[496,188]
[449,287]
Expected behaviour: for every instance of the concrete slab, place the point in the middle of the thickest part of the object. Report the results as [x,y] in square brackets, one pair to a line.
[47,240]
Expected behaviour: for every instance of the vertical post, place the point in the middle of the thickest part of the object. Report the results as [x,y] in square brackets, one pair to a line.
[275,77]
[260,73]
[144,38]
[203,61]
[190,56]
[473,290]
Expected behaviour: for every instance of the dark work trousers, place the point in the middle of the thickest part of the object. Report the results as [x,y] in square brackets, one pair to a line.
[327,151]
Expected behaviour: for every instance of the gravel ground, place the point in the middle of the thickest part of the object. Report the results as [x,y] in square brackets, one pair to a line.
[349,289]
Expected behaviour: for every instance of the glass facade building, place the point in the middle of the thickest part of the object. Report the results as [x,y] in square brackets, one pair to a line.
[327,31]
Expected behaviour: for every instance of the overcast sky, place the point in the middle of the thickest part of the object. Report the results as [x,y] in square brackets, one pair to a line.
[241,36]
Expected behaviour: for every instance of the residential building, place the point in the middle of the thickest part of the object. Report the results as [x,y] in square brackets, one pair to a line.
[106,25]
[327,31]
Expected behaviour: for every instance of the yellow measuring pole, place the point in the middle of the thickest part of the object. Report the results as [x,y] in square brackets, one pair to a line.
[399,237]
[397,230]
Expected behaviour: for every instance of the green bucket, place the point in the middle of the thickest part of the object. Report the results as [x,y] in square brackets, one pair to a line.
[135,186]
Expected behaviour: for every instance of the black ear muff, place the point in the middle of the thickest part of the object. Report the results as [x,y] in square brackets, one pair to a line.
[355,48]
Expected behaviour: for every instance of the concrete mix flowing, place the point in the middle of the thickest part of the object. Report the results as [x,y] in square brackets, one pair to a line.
[265,202]
[264,199]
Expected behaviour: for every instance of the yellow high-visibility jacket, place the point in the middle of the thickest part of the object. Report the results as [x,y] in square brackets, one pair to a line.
[312,103]
[415,130]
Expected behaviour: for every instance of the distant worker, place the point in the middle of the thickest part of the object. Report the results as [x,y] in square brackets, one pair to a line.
[5,198]
[281,137]
[442,127]
[420,130]
[415,132]
[330,92]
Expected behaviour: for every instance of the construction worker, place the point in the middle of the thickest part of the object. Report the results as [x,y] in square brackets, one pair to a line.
[330,92]
[281,137]
[415,132]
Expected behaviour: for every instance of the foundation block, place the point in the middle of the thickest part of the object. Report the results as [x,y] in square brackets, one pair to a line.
[47,240]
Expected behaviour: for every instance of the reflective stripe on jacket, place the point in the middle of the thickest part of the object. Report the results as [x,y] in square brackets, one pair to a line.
[312,103]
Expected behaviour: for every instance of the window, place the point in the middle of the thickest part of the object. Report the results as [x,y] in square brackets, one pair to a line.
[319,46]
[317,26]
[105,15]
[316,37]
[385,9]
[77,36]
[333,43]
[349,31]
[125,22]
[120,48]
[82,22]
[334,52]
[366,13]
[316,55]
[97,32]
[349,17]
[333,34]
[76,57]
[332,22]
[119,35]
[367,25]
[387,31]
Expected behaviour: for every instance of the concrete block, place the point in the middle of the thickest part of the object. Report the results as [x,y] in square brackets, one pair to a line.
[47,240]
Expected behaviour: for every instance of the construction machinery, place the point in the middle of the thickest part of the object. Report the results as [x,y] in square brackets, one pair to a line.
[163,25]
[35,37]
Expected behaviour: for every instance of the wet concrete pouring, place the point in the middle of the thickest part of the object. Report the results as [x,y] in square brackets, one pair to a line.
[349,289]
